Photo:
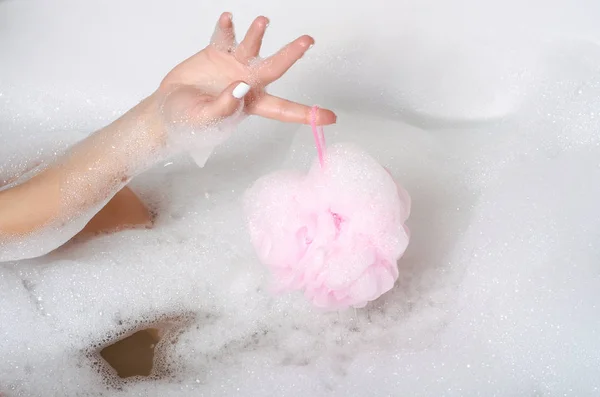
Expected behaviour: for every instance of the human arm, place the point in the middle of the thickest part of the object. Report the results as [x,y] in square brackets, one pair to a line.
[189,109]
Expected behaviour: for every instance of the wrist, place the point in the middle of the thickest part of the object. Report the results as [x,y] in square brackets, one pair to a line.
[139,137]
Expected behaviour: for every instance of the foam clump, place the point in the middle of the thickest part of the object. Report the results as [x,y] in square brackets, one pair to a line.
[200,143]
[335,233]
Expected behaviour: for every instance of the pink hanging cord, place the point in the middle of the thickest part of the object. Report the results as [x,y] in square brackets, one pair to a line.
[319,135]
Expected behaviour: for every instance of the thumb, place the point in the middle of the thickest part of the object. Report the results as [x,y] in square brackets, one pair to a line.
[230,100]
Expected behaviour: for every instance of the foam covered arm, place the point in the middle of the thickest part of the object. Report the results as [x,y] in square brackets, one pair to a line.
[45,211]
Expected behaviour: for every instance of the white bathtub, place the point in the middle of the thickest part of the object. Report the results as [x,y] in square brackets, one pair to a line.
[487,112]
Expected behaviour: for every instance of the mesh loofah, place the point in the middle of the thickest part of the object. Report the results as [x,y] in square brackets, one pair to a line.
[335,233]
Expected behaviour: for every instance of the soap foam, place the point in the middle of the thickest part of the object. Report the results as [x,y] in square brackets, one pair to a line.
[497,292]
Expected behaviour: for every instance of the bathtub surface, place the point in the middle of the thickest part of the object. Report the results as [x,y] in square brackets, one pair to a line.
[488,113]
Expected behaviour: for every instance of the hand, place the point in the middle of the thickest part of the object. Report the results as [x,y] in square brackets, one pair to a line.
[201,89]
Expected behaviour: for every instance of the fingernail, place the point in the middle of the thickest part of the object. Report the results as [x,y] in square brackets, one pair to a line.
[241,90]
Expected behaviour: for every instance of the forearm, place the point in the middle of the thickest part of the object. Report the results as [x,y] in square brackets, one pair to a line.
[62,198]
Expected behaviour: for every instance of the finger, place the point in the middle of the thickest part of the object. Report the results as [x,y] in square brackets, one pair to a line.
[249,48]
[224,35]
[275,66]
[228,102]
[281,109]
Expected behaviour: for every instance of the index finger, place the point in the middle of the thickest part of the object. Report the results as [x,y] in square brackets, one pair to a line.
[276,108]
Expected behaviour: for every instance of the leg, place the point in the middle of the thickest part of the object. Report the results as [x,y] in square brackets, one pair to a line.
[124,211]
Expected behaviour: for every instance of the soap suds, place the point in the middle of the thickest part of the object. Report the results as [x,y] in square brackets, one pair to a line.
[498,290]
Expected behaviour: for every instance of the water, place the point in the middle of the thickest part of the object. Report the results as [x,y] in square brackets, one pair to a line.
[486,112]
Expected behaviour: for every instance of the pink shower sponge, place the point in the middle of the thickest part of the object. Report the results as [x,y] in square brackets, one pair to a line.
[335,233]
